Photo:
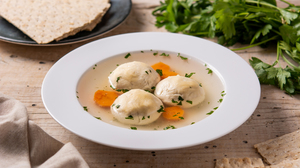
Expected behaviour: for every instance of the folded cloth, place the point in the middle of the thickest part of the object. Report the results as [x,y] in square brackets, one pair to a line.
[24,144]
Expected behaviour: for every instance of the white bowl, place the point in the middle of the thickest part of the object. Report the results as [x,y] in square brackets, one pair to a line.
[240,82]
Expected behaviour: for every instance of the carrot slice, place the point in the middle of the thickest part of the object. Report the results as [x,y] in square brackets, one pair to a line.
[166,70]
[173,113]
[105,98]
[168,73]
[161,65]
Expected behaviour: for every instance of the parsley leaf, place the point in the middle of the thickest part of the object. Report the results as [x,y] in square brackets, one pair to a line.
[189,75]
[159,71]
[99,118]
[127,55]
[209,113]
[164,54]
[133,128]
[209,71]
[130,117]
[252,22]
[161,109]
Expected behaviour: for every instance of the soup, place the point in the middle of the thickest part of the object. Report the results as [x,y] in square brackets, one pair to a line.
[96,78]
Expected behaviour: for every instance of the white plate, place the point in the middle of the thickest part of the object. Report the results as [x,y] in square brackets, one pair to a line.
[241,85]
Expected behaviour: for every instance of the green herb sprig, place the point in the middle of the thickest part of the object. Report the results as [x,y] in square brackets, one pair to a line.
[252,22]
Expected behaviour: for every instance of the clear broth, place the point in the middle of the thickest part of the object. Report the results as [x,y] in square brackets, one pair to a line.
[96,78]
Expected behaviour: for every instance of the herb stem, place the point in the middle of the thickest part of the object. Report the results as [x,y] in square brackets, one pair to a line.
[262,3]
[288,62]
[257,44]
[275,31]
[287,3]
[278,55]
[200,33]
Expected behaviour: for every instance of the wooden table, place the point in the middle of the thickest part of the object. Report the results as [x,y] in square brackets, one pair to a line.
[23,68]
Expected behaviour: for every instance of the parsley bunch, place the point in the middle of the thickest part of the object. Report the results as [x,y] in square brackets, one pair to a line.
[252,22]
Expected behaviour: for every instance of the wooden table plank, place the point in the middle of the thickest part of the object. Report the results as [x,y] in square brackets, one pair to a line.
[23,68]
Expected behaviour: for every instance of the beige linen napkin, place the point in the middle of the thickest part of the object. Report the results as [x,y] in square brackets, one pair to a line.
[24,144]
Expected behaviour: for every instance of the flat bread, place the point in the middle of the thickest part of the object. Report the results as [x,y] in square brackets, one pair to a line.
[48,20]
[239,163]
[279,149]
[287,164]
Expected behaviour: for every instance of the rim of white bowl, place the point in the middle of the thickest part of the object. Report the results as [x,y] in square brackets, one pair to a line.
[241,86]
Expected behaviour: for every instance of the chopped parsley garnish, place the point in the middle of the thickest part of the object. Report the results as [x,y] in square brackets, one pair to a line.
[161,109]
[122,90]
[155,53]
[112,87]
[216,108]
[200,84]
[209,113]
[164,54]
[153,87]
[142,51]
[77,97]
[133,128]
[146,72]
[117,106]
[159,71]
[113,105]
[118,78]
[129,117]
[148,117]
[168,127]
[189,75]
[174,101]
[99,118]
[192,123]
[220,100]
[188,101]
[143,118]
[209,71]
[223,93]
[181,118]
[127,55]
[180,98]
[85,108]
[183,58]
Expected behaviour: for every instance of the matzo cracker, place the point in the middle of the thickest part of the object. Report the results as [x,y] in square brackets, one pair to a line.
[279,149]
[48,20]
[239,163]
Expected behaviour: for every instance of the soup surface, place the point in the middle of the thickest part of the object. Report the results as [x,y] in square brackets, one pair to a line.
[96,78]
